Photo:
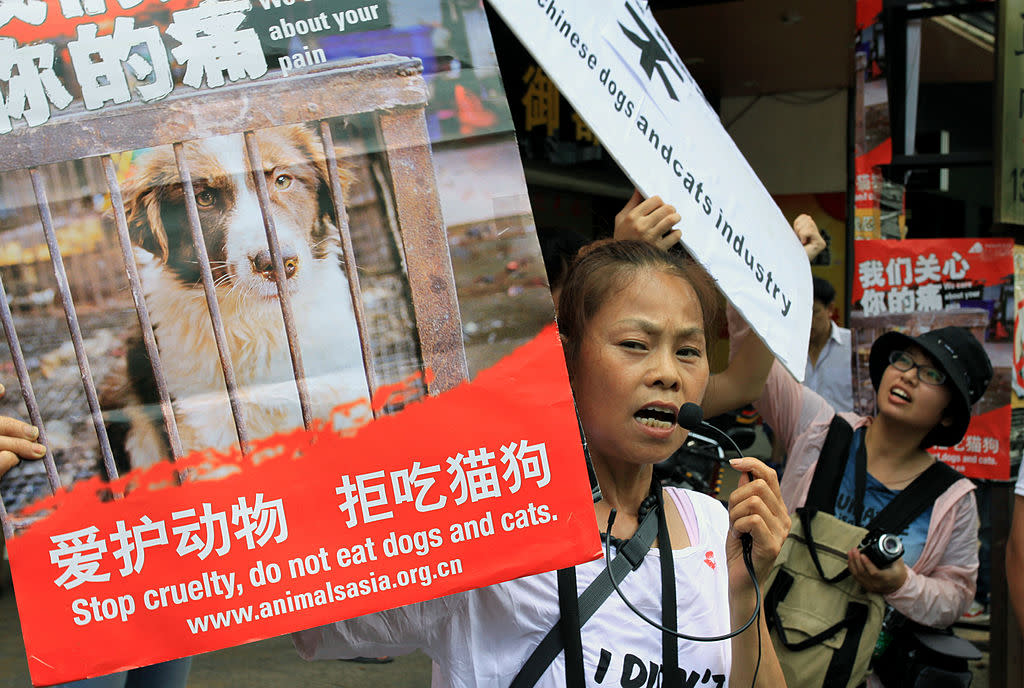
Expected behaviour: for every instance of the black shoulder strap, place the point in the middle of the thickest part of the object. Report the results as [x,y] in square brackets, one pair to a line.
[628,559]
[828,473]
[669,643]
[570,625]
[904,508]
[914,499]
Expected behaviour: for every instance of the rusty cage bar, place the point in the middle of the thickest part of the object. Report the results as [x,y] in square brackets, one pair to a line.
[390,89]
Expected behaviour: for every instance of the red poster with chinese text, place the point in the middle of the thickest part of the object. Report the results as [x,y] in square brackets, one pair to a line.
[273,296]
[922,284]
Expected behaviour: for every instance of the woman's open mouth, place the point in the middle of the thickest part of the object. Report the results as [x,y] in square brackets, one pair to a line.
[900,394]
[656,417]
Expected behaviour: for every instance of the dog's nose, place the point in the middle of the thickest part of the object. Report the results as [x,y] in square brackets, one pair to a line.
[263,264]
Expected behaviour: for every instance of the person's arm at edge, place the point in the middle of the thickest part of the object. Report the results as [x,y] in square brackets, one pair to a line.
[743,381]
[1015,560]
[17,442]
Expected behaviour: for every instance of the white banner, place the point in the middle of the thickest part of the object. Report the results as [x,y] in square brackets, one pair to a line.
[610,59]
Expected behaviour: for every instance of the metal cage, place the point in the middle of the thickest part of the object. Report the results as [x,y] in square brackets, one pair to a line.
[388,89]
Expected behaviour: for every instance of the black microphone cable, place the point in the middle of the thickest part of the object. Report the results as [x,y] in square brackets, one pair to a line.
[747,560]
[691,416]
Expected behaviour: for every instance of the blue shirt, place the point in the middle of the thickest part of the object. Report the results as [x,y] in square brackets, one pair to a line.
[876,497]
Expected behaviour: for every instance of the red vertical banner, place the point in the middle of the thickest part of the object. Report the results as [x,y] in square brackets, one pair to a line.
[918,285]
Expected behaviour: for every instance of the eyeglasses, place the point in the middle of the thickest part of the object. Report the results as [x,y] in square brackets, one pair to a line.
[902,361]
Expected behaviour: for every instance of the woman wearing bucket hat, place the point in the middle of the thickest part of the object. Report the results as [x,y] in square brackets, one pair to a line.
[925,387]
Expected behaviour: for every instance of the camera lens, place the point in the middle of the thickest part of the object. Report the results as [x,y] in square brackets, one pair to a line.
[891,546]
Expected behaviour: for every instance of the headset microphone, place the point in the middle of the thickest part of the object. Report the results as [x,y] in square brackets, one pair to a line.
[691,417]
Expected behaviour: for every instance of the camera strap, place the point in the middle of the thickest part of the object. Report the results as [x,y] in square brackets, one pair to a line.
[860,476]
[912,500]
[828,472]
[909,503]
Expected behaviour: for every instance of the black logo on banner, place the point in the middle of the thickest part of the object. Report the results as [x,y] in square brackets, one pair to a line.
[652,53]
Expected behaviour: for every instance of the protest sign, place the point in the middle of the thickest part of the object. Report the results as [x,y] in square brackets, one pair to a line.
[611,61]
[292,248]
[922,284]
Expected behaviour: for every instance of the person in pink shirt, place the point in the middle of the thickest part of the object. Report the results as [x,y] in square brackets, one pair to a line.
[925,387]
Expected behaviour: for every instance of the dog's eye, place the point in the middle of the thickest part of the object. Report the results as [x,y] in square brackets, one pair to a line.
[205,198]
[283,181]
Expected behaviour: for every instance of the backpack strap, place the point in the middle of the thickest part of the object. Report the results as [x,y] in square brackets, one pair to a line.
[856,613]
[912,501]
[629,558]
[806,518]
[828,472]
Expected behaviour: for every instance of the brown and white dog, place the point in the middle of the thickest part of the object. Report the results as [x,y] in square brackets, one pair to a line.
[247,294]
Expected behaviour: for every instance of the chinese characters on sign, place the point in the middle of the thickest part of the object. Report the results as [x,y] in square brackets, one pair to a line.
[553,128]
[367,118]
[80,555]
[474,477]
[918,285]
[905,284]
[477,475]
[210,42]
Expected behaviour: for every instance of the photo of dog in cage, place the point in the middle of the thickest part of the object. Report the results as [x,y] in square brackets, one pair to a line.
[247,291]
[493,263]
[420,273]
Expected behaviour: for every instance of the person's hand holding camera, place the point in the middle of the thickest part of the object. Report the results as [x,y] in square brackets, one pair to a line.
[873,579]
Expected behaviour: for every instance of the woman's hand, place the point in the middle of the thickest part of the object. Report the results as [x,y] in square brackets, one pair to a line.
[874,579]
[807,232]
[17,442]
[649,220]
[755,507]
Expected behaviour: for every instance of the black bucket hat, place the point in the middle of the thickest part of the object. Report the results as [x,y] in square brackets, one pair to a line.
[958,354]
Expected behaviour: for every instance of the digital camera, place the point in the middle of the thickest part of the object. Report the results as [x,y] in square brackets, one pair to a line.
[882,549]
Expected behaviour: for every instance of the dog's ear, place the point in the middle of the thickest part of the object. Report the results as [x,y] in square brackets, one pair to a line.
[144,193]
[145,224]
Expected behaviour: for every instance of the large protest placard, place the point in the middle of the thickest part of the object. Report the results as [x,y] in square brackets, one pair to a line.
[612,62]
[917,285]
[272,294]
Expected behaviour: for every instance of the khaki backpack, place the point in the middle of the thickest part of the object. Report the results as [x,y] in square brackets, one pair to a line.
[823,624]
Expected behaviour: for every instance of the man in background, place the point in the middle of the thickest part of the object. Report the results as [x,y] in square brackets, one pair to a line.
[829,353]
